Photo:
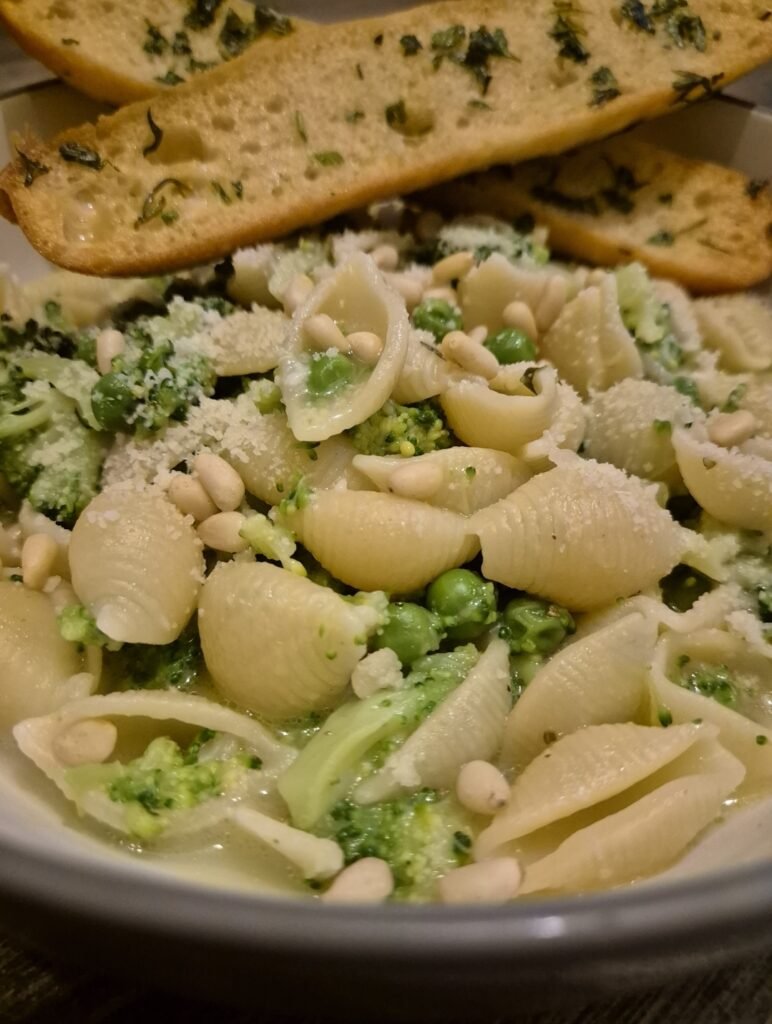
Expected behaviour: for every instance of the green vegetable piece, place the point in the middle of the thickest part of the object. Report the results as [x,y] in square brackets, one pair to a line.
[511,345]
[437,316]
[332,760]
[464,602]
[410,631]
[764,596]
[683,586]
[113,401]
[329,374]
[402,430]
[532,626]
[177,665]
[77,625]
[713,681]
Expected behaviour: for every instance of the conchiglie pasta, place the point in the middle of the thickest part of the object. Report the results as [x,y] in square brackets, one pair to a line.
[276,643]
[566,431]
[589,344]
[581,534]
[730,484]
[641,838]
[466,479]
[36,664]
[424,372]
[486,291]
[376,541]
[249,341]
[631,426]
[583,769]
[598,679]
[504,414]
[357,299]
[137,565]
[739,328]
[756,397]
[467,726]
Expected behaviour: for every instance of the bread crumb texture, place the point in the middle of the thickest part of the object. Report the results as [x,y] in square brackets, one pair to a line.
[340,115]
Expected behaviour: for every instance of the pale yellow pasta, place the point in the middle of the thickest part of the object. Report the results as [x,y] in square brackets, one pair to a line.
[357,299]
[36,664]
[642,838]
[487,290]
[275,642]
[85,300]
[631,426]
[589,344]
[136,564]
[600,678]
[315,858]
[582,534]
[249,341]
[566,431]
[581,770]
[739,328]
[424,372]
[376,541]
[730,484]
[504,414]
[467,726]
[756,397]
[467,479]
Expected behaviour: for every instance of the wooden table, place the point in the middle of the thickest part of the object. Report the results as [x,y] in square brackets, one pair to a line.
[34,990]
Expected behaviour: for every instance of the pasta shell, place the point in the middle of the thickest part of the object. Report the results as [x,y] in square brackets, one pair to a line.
[249,341]
[757,399]
[739,328]
[136,564]
[498,416]
[588,343]
[377,541]
[566,431]
[487,290]
[642,838]
[36,664]
[276,643]
[424,373]
[582,534]
[581,770]
[467,726]
[598,679]
[357,297]
[731,485]
[472,478]
[631,426]
[314,857]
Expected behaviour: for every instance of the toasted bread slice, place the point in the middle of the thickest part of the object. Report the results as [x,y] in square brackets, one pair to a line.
[340,115]
[122,52]
[705,226]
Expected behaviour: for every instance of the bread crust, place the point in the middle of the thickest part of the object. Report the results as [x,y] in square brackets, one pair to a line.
[283,127]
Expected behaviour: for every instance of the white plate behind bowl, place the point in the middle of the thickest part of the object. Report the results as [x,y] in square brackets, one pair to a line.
[32,813]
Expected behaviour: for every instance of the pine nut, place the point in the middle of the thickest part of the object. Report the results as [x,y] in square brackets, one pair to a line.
[190,497]
[453,267]
[552,300]
[460,348]
[729,429]
[490,881]
[365,346]
[10,544]
[478,334]
[428,225]
[323,333]
[38,555]
[410,290]
[444,294]
[385,257]
[296,293]
[419,480]
[221,532]
[91,741]
[368,880]
[220,480]
[481,787]
[519,316]
[109,344]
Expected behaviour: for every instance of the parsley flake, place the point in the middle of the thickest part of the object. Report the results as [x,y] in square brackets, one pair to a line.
[328,158]
[410,45]
[32,169]
[74,153]
[604,87]
[156,133]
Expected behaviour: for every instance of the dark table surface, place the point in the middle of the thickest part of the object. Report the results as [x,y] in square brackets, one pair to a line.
[35,990]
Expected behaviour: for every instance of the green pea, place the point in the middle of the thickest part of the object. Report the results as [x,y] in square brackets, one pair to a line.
[511,346]
[464,602]
[437,316]
[329,374]
[531,626]
[410,631]
[113,401]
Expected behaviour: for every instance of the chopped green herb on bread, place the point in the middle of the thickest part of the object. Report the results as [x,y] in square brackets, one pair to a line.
[705,226]
[340,115]
[123,52]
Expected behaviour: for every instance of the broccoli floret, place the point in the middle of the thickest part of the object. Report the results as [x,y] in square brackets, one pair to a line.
[420,836]
[336,756]
[177,665]
[683,586]
[77,625]
[438,317]
[402,430]
[710,681]
[272,541]
[486,237]
[534,627]
[650,321]
[149,385]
